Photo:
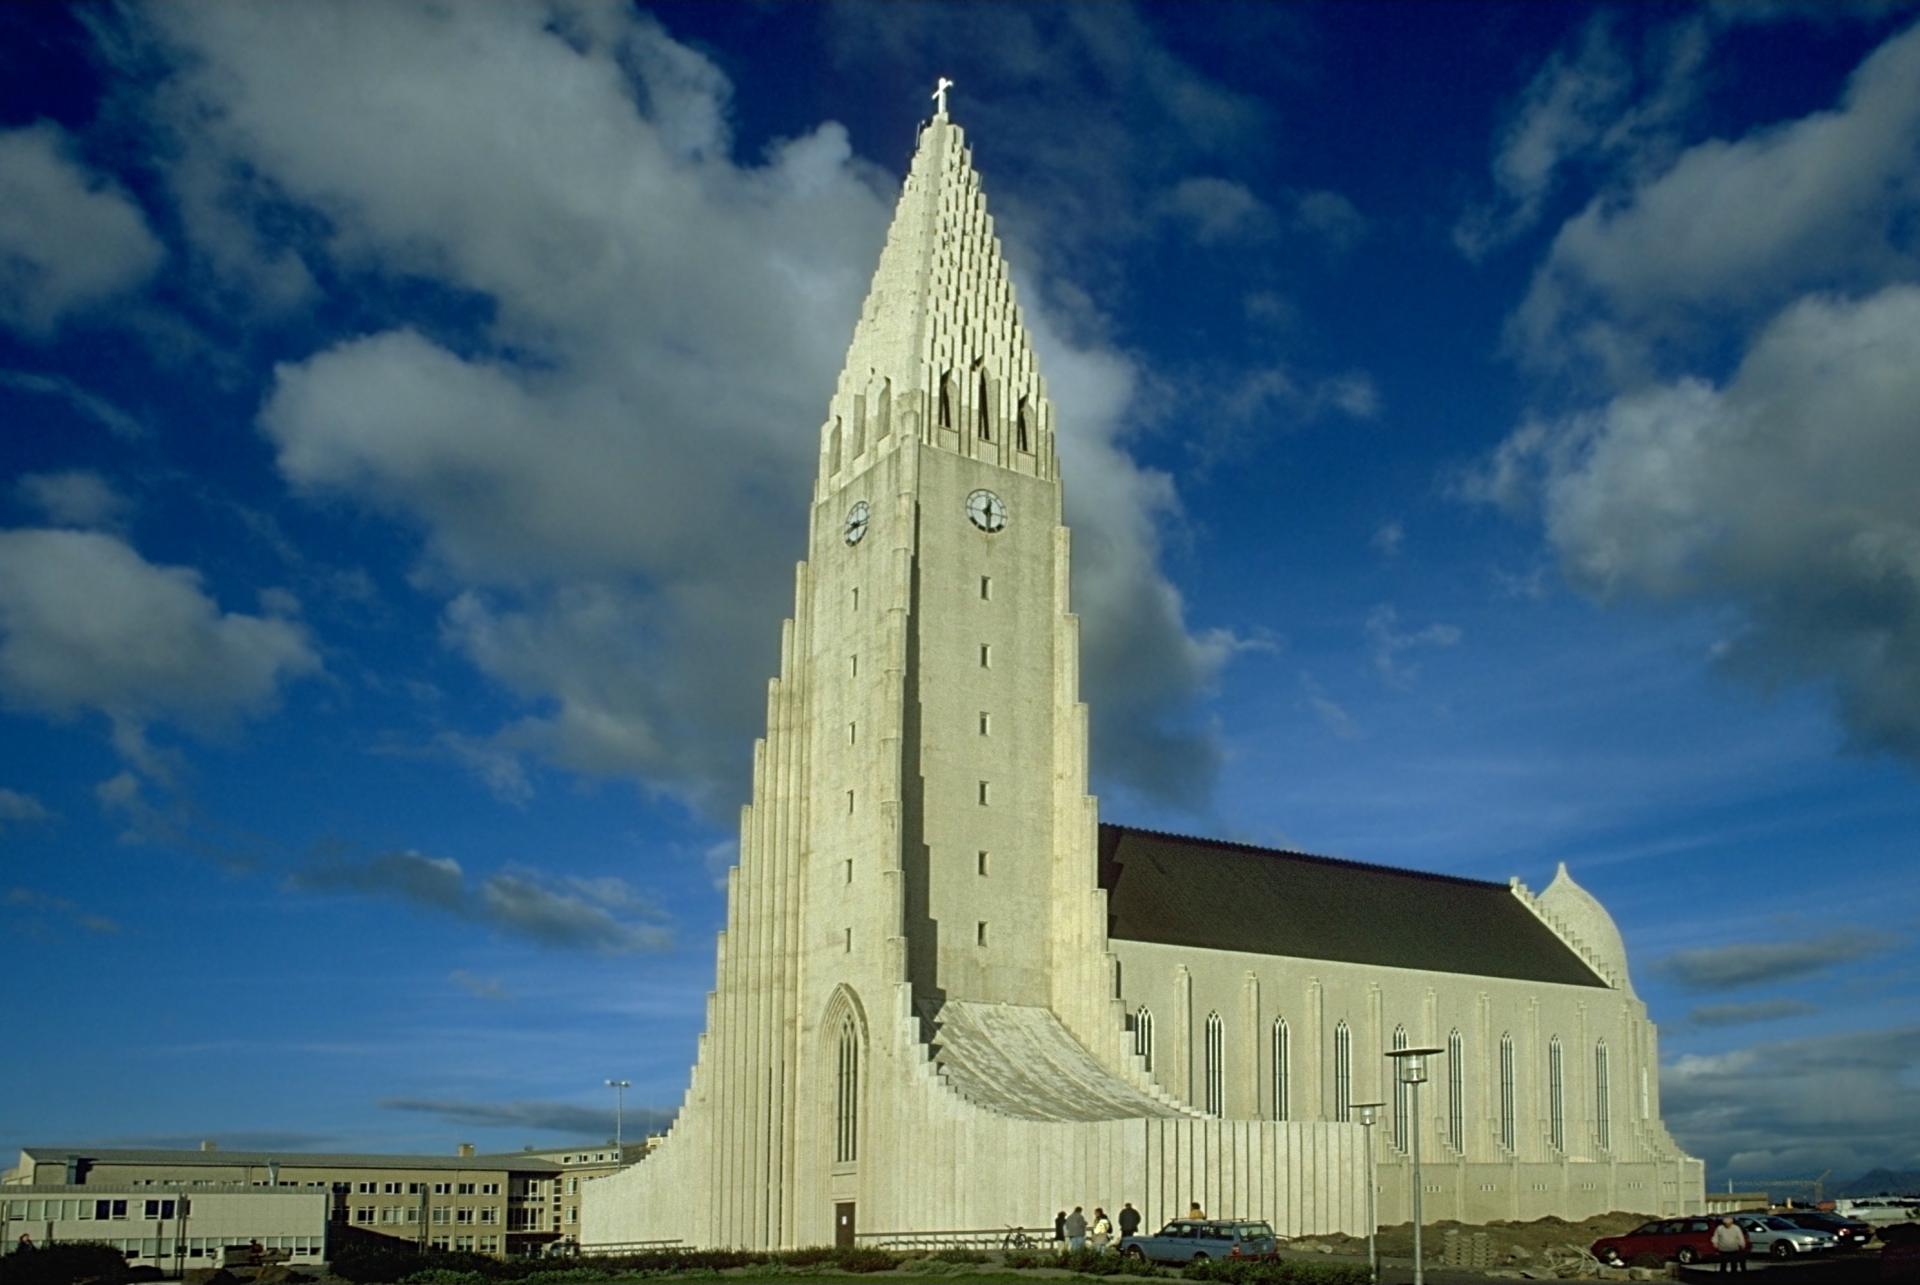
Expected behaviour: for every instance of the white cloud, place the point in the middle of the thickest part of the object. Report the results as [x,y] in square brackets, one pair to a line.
[88,625]
[75,497]
[19,808]
[604,915]
[1792,1107]
[1389,645]
[93,406]
[68,239]
[1734,229]
[1389,539]
[592,476]
[1217,211]
[1787,494]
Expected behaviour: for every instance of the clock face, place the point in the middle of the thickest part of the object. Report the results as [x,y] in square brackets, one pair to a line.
[987,511]
[857,518]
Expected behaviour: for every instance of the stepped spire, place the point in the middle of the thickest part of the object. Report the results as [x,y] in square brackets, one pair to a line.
[940,351]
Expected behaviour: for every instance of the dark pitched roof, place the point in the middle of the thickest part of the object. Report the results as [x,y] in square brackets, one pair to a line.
[291,1159]
[1178,891]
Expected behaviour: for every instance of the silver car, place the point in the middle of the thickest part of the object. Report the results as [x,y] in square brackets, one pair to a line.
[1782,1239]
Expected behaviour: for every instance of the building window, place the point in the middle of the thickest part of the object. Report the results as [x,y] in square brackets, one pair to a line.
[980,933]
[1402,1095]
[983,861]
[983,794]
[1602,1098]
[463,1215]
[853,733]
[442,1188]
[1020,421]
[846,1106]
[986,426]
[1214,1066]
[849,940]
[1456,1092]
[1506,1091]
[986,655]
[464,1189]
[389,1188]
[573,1186]
[853,660]
[848,864]
[1342,1072]
[1556,1096]
[365,1188]
[986,723]
[856,597]
[440,1214]
[363,1214]
[1282,1068]
[490,1215]
[986,588]
[849,802]
[1143,1036]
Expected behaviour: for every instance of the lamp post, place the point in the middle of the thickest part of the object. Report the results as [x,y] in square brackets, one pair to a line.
[619,1088]
[1367,1115]
[1410,1069]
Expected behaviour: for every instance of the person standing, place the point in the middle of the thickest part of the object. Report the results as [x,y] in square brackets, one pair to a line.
[1102,1230]
[1129,1220]
[1195,1212]
[1060,1231]
[1076,1230]
[1731,1244]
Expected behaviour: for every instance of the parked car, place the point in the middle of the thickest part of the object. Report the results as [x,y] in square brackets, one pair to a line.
[1900,1259]
[1687,1239]
[1848,1233]
[1186,1240]
[1769,1234]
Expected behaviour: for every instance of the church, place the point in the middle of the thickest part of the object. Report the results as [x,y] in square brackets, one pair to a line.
[950,998]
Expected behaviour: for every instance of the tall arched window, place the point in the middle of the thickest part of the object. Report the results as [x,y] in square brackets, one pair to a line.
[1402,1095]
[846,1098]
[1215,1065]
[1602,1098]
[1506,1091]
[1456,1091]
[1556,1097]
[1143,1035]
[1342,1071]
[946,399]
[985,418]
[1282,1068]
[1025,441]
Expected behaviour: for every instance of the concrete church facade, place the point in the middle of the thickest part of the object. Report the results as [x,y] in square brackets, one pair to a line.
[949,998]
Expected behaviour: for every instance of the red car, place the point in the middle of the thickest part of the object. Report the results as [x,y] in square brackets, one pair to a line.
[1688,1239]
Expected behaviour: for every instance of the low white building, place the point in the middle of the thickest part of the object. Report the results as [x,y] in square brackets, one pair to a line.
[172,1229]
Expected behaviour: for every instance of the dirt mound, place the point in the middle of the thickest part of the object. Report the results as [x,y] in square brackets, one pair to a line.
[1507,1243]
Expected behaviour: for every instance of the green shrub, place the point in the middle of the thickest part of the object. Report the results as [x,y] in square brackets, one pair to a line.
[1026,1259]
[862,1259]
[958,1256]
[62,1263]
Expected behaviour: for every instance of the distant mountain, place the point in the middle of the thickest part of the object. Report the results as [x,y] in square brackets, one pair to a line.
[1899,1182]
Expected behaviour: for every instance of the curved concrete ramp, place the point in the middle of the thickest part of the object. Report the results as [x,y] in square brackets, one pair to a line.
[1019,1061]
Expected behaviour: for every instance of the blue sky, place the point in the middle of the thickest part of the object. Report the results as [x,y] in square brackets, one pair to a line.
[1492,436]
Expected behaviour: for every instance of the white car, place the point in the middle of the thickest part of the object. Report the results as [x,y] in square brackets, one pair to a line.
[1782,1239]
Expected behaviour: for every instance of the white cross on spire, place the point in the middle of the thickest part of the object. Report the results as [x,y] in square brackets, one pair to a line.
[940,96]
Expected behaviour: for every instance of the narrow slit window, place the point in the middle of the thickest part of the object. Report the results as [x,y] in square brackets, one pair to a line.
[854,661]
[983,861]
[1021,430]
[849,939]
[986,723]
[986,655]
[856,597]
[849,802]
[986,588]
[983,793]
[985,417]
[848,864]
[980,933]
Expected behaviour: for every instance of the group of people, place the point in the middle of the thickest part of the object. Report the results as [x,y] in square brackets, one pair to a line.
[1075,1231]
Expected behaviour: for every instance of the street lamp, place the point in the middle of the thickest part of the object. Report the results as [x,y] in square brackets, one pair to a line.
[1410,1069]
[619,1088]
[1367,1117]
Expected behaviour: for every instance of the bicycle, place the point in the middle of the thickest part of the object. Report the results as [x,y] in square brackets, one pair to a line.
[1017,1238]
